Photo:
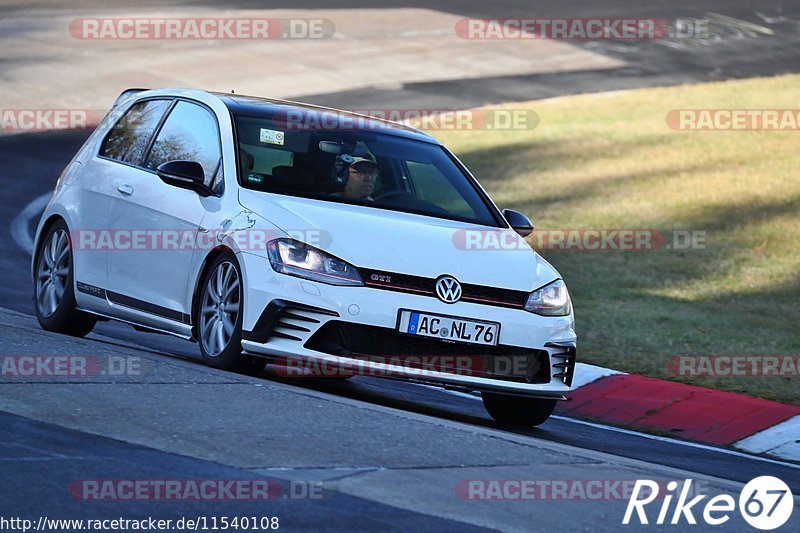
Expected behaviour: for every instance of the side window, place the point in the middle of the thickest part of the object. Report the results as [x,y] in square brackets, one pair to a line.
[128,139]
[257,162]
[190,133]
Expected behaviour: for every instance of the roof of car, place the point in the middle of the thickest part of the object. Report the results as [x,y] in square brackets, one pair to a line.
[313,115]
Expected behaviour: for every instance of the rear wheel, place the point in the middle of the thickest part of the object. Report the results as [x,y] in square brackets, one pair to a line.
[219,318]
[517,410]
[53,286]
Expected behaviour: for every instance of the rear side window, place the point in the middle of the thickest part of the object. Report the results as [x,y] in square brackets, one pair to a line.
[128,139]
[190,133]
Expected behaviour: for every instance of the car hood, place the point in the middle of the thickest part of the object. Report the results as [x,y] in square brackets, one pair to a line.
[406,243]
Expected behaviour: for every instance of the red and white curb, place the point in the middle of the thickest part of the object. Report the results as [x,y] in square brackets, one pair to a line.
[586,373]
[781,440]
[684,411]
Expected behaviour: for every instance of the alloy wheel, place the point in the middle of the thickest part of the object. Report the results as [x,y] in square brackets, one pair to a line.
[52,274]
[220,308]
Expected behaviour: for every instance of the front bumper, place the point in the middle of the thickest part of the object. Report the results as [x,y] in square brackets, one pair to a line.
[285,316]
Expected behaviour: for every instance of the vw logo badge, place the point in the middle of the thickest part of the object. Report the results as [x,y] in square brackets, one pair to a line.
[448,289]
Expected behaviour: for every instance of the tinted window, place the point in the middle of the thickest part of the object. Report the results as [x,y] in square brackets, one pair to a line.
[262,159]
[357,166]
[190,134]
[431,185]
[128,139]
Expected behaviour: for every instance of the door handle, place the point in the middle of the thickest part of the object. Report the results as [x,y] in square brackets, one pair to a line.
[125,190]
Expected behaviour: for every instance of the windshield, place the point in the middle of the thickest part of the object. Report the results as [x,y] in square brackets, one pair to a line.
[362,167]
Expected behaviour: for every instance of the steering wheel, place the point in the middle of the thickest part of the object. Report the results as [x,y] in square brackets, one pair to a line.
[395,195]
[412,201]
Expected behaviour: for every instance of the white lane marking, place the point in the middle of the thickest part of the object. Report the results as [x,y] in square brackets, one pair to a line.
[19,226]
[781,440]
[659,438]
[586,373]
[678,442]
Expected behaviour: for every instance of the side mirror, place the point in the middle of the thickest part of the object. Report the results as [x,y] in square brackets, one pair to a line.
[518,222]
[186,175]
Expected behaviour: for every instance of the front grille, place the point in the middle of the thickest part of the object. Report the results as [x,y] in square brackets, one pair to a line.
[384,345]
[427,287]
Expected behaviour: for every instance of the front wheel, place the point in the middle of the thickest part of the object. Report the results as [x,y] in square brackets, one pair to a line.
[219,319]
[517,410]
[53,291]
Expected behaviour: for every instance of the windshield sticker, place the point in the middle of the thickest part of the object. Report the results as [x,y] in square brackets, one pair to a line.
[271,136]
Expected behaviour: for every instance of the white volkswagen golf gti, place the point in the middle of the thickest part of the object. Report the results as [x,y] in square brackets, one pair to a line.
[275,232]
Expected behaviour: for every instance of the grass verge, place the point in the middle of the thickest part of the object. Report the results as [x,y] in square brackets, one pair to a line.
[611,161]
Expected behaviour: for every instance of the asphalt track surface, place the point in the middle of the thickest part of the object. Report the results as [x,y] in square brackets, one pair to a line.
[53,455]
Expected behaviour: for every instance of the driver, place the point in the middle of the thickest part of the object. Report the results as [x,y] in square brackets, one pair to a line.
[362,174]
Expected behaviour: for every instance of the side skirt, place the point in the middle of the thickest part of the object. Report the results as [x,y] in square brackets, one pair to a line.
[181,321]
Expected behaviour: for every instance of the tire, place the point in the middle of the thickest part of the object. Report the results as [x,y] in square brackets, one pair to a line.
[517,410]
[219,318]
[54,285]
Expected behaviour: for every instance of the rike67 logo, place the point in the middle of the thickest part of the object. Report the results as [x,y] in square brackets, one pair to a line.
[765,503]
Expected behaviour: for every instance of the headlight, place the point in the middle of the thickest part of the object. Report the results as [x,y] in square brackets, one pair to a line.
[550,300]
[295,258]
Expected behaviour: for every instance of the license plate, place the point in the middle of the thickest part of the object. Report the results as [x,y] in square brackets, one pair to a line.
[448,328]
